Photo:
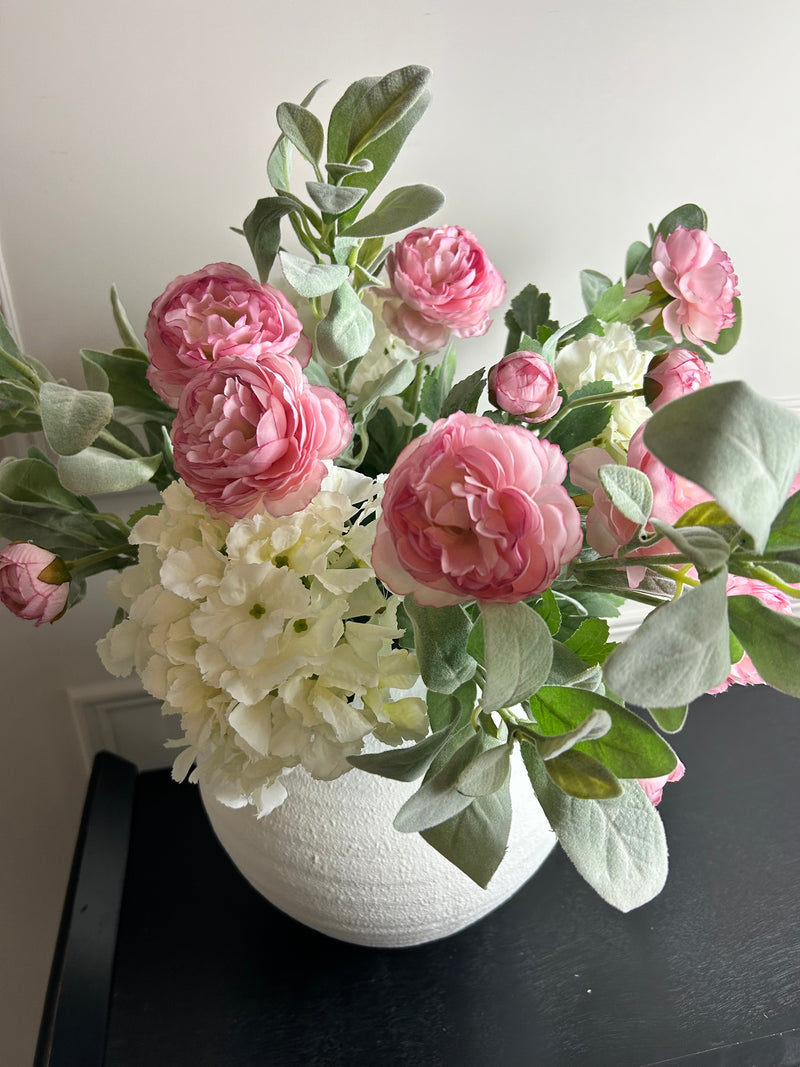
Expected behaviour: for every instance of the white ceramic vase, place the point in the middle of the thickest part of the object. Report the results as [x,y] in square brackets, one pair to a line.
[330,858]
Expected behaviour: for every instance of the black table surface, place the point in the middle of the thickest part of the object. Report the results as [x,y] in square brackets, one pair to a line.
[206,972]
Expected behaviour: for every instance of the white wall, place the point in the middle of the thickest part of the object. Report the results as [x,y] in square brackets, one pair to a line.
[134,133]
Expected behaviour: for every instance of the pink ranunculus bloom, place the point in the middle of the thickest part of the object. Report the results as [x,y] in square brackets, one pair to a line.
[441,283]
[217,311]
[674,374]
[524,383]
[744,672]
[34,583]
[654,787]
[253,434]
[699,275]
[475,511]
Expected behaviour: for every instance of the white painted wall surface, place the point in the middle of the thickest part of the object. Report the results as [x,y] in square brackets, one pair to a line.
[133,134]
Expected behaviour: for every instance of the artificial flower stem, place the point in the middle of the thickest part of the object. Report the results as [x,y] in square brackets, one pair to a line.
[763,574]
[121,449]
[25,370]
[584,401]
[77,565]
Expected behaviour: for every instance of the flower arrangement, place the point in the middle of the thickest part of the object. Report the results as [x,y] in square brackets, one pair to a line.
[354,543]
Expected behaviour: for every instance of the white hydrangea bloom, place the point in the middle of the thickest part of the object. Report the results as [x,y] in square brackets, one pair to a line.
[614,358]
[271,639]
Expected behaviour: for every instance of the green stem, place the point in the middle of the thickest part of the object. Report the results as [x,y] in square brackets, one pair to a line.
[765,575]
[121,449]
[77,565]
[111,519]
[585,401]
[24,370]
[416,391]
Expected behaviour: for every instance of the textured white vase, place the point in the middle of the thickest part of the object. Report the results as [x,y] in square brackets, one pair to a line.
[330,858]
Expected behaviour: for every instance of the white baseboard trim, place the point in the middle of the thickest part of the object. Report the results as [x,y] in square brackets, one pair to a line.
[119,716]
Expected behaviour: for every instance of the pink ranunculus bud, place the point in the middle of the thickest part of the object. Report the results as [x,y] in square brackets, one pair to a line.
[699,276]
[654,787]
[441,283]
[217,311]
[673,374]
[473,510]
[744,672]
[524,383]
[34,583]
[607,529]
[253,434]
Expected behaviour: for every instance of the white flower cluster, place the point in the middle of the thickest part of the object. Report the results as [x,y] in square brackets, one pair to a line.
[614,358]
[271,639]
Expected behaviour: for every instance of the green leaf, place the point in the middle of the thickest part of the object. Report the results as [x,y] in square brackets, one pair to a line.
[593,285]
[465,395]
[347,330]
[728,338]
[96,471]
[303,129]
[393,382]
[445,708]
[279,165]
[34,506]
[487,773]
[475,840]
[334,199]
[703,545]
[123,374]
[404,764]
[72,418]
[629,490]
[740,447]
[596,724]
[590,641]
[567,666]
[518,653]
[707,513]
[437,799]
[383,105]
[784,535]
[670,720]
[630,749]
[618,845]
[637,259]
[529,311]
[547,607]
[584,423]
[337,171]
[312,279]
[771,640]
[608,303]
[440,640]
[690,216]
[578,775]
[437,385]
[679,652]
[402,208]
[262,228]
[124,328]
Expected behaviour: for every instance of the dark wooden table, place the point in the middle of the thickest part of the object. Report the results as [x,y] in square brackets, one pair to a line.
[178,961]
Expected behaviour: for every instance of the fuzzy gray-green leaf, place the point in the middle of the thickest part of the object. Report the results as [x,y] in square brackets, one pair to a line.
[740,447]
[617,845]
[312,279]
[518,652]
[72,418]
[347,330]
[680,651]
[96,471]
[402,208]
